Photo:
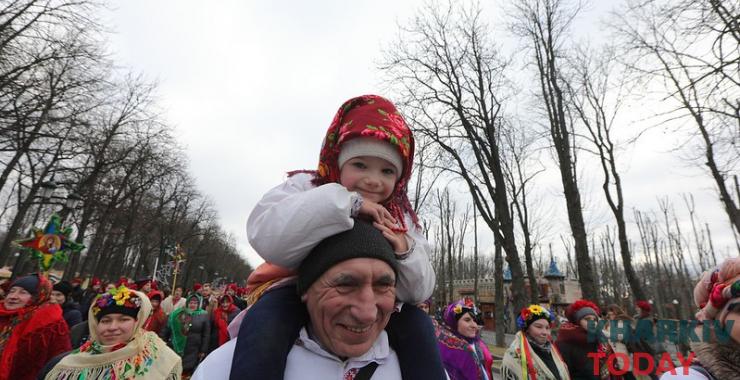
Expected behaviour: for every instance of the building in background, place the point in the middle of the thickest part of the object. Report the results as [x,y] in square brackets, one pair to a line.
[555,290]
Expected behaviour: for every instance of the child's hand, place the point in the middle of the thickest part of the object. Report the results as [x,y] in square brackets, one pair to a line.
[397,239]
[376,212]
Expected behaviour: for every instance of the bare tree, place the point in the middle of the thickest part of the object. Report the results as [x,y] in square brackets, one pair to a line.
[544,24]
[597,98]
[521,165]
[451,80]
[690,48]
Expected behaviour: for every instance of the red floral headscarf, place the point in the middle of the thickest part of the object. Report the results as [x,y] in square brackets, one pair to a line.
[375,117]
[20,319]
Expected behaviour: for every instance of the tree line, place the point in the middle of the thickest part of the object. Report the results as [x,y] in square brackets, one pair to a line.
[70,116]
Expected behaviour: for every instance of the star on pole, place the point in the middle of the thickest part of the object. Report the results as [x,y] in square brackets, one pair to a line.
[51,244]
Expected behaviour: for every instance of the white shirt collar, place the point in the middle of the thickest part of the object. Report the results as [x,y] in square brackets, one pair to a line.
[377,353]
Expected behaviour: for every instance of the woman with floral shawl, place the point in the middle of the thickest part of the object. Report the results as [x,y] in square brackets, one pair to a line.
[532,355]
[32,330]
[464,354]
[119,348]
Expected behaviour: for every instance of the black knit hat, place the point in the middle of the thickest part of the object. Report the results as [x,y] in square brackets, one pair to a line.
[362,241]
[64,287]
[30,283]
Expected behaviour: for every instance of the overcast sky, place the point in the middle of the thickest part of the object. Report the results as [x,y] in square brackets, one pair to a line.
[251,86]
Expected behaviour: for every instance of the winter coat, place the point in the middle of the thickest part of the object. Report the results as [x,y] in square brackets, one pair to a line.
[198,339]
[79,334]
[292,218]
[71,313]
[32,342]
[574,346]
[214,329]
[156,321]
[307,360]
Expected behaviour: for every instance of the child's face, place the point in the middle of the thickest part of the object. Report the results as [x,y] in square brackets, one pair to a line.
[374,178]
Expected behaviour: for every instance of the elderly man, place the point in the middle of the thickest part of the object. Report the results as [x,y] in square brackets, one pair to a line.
[348,286]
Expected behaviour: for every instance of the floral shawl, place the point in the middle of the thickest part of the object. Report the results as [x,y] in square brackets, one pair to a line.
[144,357]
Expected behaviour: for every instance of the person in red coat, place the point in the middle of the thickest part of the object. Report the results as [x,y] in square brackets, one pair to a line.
[157,319]
[222,316]
[32,330]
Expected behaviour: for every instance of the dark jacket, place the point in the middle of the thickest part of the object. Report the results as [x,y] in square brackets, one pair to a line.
[87,297]
[71,313]
[51,364]
[240,303]
[79,334]
[198,339]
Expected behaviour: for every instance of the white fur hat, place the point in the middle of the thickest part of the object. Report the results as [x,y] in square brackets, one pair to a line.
[368,146]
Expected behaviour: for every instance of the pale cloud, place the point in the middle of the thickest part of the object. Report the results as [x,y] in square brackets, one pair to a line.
[251,86]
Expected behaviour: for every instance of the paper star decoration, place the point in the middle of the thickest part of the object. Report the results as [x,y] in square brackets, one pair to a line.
[50,245]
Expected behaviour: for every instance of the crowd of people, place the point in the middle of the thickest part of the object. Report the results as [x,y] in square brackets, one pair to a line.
[344,294]
[58,331]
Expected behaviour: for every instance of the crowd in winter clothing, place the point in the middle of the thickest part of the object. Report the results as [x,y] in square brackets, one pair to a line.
[41,323]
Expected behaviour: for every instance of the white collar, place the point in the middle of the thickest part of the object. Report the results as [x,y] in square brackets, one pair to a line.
[379,351]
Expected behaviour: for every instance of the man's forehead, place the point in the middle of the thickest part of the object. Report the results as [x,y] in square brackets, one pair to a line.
[361,267]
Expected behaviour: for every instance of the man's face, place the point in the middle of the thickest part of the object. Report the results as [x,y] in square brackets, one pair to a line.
[178,292]
[350,304]
[146,288]
[206,290]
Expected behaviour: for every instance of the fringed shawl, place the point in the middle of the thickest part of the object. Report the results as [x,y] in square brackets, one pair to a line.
[144,357]
[522,362]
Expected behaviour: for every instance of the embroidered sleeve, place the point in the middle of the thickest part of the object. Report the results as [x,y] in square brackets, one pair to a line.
[356,204]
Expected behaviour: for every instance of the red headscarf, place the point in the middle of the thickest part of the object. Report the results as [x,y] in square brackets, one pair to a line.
[375,117]
[17,326]
[644,305]
[221,319]
[157,319]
